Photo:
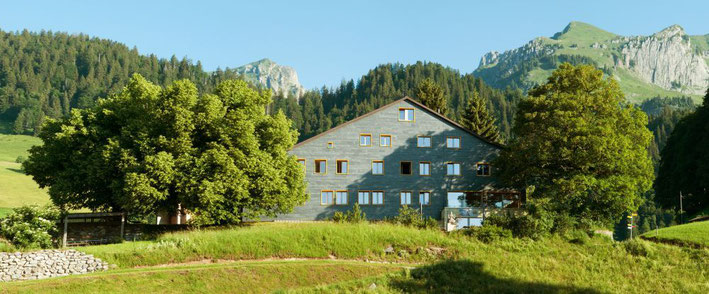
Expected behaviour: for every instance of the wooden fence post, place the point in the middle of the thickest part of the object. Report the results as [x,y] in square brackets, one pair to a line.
[66,225]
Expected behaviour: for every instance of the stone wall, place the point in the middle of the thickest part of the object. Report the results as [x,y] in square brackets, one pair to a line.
[46,264]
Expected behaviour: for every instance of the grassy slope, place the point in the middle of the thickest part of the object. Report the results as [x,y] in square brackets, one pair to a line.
[548,265]
[240,277]
[692,233]
[16,188]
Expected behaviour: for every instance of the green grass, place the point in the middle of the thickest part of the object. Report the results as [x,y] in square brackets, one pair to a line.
[272,240]
[17,188]
[690,234]
[550,265]
[239,277]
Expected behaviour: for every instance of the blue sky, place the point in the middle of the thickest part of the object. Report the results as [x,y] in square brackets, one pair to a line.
[328,41]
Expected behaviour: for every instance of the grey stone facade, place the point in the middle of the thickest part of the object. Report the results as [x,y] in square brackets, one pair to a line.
[342,143]
[46,264]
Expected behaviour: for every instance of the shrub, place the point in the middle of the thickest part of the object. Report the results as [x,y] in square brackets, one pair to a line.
[488,233]
[409,216]
[355,216]
[536,223]
[637,247]
[31,226]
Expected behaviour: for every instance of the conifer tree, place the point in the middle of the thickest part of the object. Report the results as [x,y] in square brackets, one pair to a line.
[431,95]
[477,119]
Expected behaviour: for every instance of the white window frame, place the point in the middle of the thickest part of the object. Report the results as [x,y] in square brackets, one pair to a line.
[455,165]
[418,141]
[405,197]
[425,198]
[363,197]
[377,197]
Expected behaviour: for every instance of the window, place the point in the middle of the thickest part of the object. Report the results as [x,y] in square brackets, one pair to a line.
[377,167]
[341,198]
[301,161]
[425,197]
[453,142]
[330,145]
[378,197]
[423,141]
[483,169]
[406,114]
[343,166]
[365,140]
[326,197]
[363,197]
[424,168]
[406,167]
[385,140]
[405,198]
[453,169]
[321,166]
[465,199]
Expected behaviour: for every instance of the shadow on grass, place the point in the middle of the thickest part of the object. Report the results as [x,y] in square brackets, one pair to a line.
[464,276]
[17,170]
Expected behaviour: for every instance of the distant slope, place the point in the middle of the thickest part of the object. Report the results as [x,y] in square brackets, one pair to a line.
[669,63]
[688,234]
[278,78]
[17,188]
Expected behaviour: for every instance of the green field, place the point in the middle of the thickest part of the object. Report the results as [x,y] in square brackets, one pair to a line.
[696,234]
[228,277]
[16,188]
[442,263]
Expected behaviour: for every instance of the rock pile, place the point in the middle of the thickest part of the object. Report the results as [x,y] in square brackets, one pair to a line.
[46,264]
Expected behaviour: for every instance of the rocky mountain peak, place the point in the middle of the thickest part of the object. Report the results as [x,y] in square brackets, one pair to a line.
[278,78]
[671,31]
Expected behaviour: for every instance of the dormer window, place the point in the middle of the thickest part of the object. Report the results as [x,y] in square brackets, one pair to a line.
[406,114]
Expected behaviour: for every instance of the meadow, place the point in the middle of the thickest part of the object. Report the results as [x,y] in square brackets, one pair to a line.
[395,259]
[692,234]
[17,188]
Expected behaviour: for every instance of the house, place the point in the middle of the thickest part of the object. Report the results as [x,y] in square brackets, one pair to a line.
[402,154]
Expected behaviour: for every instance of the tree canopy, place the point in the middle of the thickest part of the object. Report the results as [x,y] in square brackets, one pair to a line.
[149,149]
[477,118]
[684,164]
[579,146]
[431,95]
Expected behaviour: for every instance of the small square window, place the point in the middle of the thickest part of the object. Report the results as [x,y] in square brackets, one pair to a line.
[330,145]
[365,140]
[483,169]
[425,198]
[320,166]
[423,141]
[326,198]
[406,167]
[424,168]
[363,197]
[341,198]
[405,198]
[377,167]
[377,197]
[453,169]
[385,140]
[453,142]
[343,166]
[406,114]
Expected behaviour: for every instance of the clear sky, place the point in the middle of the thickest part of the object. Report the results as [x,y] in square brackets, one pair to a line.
[328,41]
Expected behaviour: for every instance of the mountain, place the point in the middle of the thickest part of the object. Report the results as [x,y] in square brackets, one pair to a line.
[669,63]
[278,78]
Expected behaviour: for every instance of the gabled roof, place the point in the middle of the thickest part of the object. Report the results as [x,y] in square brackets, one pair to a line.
[412,101]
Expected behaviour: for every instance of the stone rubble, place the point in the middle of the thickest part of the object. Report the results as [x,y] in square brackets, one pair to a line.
[44,264]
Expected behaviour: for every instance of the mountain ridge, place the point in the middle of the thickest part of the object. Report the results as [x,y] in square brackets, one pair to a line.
[269,74]
[667,63]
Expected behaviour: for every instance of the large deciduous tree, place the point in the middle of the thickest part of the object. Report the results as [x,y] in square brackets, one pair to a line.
[477,118]
[148,149]
[431,95]
[580,145]
[684,164]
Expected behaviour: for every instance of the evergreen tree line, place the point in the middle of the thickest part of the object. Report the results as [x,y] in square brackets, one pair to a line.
[47,74]
[320,110]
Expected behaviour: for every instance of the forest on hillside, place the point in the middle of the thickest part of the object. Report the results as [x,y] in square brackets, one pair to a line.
[45,74]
